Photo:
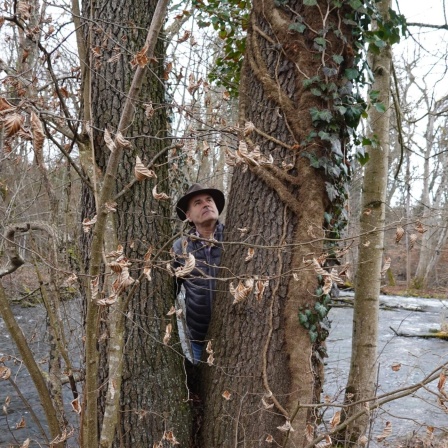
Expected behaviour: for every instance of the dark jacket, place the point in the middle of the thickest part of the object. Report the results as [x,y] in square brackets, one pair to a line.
[200,284]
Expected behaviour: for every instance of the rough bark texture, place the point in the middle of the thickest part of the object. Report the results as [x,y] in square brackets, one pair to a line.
[363,371]
[153,394]
[260,350]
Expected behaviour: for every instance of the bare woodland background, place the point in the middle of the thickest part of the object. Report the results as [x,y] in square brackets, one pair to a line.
[108,111]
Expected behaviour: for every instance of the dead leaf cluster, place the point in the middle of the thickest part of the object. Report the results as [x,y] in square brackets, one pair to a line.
[245,157]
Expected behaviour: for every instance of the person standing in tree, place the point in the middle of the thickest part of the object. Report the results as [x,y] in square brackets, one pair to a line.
[201,206]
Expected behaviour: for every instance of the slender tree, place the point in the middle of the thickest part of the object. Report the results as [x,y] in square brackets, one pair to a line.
[363,372]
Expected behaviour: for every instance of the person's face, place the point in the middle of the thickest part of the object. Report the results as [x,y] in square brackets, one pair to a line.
[202,210]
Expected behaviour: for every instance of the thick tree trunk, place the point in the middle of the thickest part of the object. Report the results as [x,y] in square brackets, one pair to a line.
[265,363]
[363,372]
[153,393]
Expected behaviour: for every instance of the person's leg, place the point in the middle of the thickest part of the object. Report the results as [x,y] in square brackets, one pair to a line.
[196,349]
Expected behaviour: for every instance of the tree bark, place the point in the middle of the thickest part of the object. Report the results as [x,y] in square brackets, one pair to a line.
[363,372]
[265,364]
[153,393]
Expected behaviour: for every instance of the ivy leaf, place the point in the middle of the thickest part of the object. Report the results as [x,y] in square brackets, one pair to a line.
[336,171]
[303,319]
[322,310]
[380,107]
[324,136]
[328,71]
[374,95]
[331,191]
[336,147]
[309,82]
[299,27]
[363,159]
[320,41]
[355,4]
[316,92]
[351,73]
[313,336]
[338,58]
[321,115]
[310,2]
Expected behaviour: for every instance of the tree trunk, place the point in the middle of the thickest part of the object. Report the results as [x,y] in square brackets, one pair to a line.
[265,362]
[153,393]
[363,371]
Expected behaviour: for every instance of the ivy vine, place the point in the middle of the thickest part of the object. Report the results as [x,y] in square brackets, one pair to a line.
[338,122]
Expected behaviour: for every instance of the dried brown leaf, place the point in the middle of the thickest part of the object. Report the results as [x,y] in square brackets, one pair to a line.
[167,337]
[21,424]
[109,142]
[6,106]
[141,172]
[76,405]
[169,436]
[210,359]
[149,110]
[192,84]
[399,234]
[141,58]
[328,283]
[335,277]
[205,148]
[189,265]
[122,142]
[24,9]
[386,266]
[259,288]
[94,288]
[12,124]
[249,127]
[324,443]
[159,196]
[87,224]
[242,291]
[5,372]
[318,268]
[269,438]
[441,383]
[185,37]
[396,366]
[363,440]
[412,240]
[114,58]
[26,443]
[147,273]
[208,348]
[250,254]
[387,431]
[286,427]
[419,227]
[309,432]
[226,395]
[116,253]
[335,420]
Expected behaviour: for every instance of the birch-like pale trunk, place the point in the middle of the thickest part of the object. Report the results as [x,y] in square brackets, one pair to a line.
[363,368]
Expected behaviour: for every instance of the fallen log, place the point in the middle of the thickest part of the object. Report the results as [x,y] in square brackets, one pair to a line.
[435,335]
